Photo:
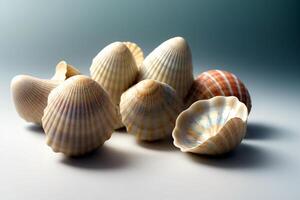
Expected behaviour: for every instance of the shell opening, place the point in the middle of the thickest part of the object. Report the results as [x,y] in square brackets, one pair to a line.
[206,119]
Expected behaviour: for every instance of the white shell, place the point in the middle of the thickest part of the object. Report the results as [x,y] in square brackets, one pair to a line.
[136,51]
[149,110]
[171,63]
[114,68]
[30,95]
[64,71]
[79,116]
[211,127]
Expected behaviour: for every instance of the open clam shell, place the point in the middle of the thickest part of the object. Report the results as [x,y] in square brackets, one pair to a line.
[79,116]
[30,94]
[114,68]
[171,63]
[149,110]
[218,83]
[136,51]
[211,127]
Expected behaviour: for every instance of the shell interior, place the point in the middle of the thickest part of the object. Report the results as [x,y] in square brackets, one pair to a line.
[206,119]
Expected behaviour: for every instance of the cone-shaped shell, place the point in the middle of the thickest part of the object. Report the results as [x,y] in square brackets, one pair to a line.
[30,95]
[211,127]
[171,63]
[136,51]
[218,83]
[64,71]
[149,110]
[114,68]
[79,116]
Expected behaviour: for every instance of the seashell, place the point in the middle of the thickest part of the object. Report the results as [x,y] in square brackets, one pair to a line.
[64,71]
[114,68]
[212,127]
[136,51]
[149,110]
[171,63]
[30,95]
[79,116]
[218,83]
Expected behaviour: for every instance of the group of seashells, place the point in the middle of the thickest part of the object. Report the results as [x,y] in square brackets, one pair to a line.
[153,98]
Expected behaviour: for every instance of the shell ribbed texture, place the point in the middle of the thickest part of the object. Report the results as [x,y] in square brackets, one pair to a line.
[149,110]
[136,51]
[211,127]
[79,116]
[171,63]
[30,95]
[218,83]
[114,68]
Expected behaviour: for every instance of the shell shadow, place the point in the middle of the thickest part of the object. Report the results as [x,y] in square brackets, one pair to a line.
[245,157]
[35,128]
[263,131]
[104,158]
[159,145]
[121,130]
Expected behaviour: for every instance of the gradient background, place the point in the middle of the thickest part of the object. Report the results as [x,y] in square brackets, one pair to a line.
[258,40]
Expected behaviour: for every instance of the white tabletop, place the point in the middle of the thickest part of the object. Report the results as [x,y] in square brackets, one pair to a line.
[265,166]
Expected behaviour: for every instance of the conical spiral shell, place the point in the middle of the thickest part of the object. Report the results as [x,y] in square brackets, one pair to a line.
[30,95]
[136,51]
[79,116]
[211,127]
[218,83]
[171,63]
[64,71]
[149,110]
[114,68]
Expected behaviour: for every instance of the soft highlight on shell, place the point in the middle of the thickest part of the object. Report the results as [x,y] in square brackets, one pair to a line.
[79,116]
[149,110]
[211,127]
[170,63]
[218,83]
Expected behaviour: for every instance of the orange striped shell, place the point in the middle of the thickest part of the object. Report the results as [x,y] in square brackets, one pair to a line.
[218,83]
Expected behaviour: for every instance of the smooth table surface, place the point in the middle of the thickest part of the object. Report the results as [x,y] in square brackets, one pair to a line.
[265,166]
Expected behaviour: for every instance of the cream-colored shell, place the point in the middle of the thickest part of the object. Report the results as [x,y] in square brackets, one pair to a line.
[79,116]
[30,94]
[171,63]
[211,127]
[114,68]
[149,110]
[64,71]
[136,51]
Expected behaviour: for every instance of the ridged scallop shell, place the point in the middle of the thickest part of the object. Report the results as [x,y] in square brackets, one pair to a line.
[218,83]
[30,96]
[79,116]
[211,127]
[171,63]
[64,71]
[114,68]
[136,51]
[149,110]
